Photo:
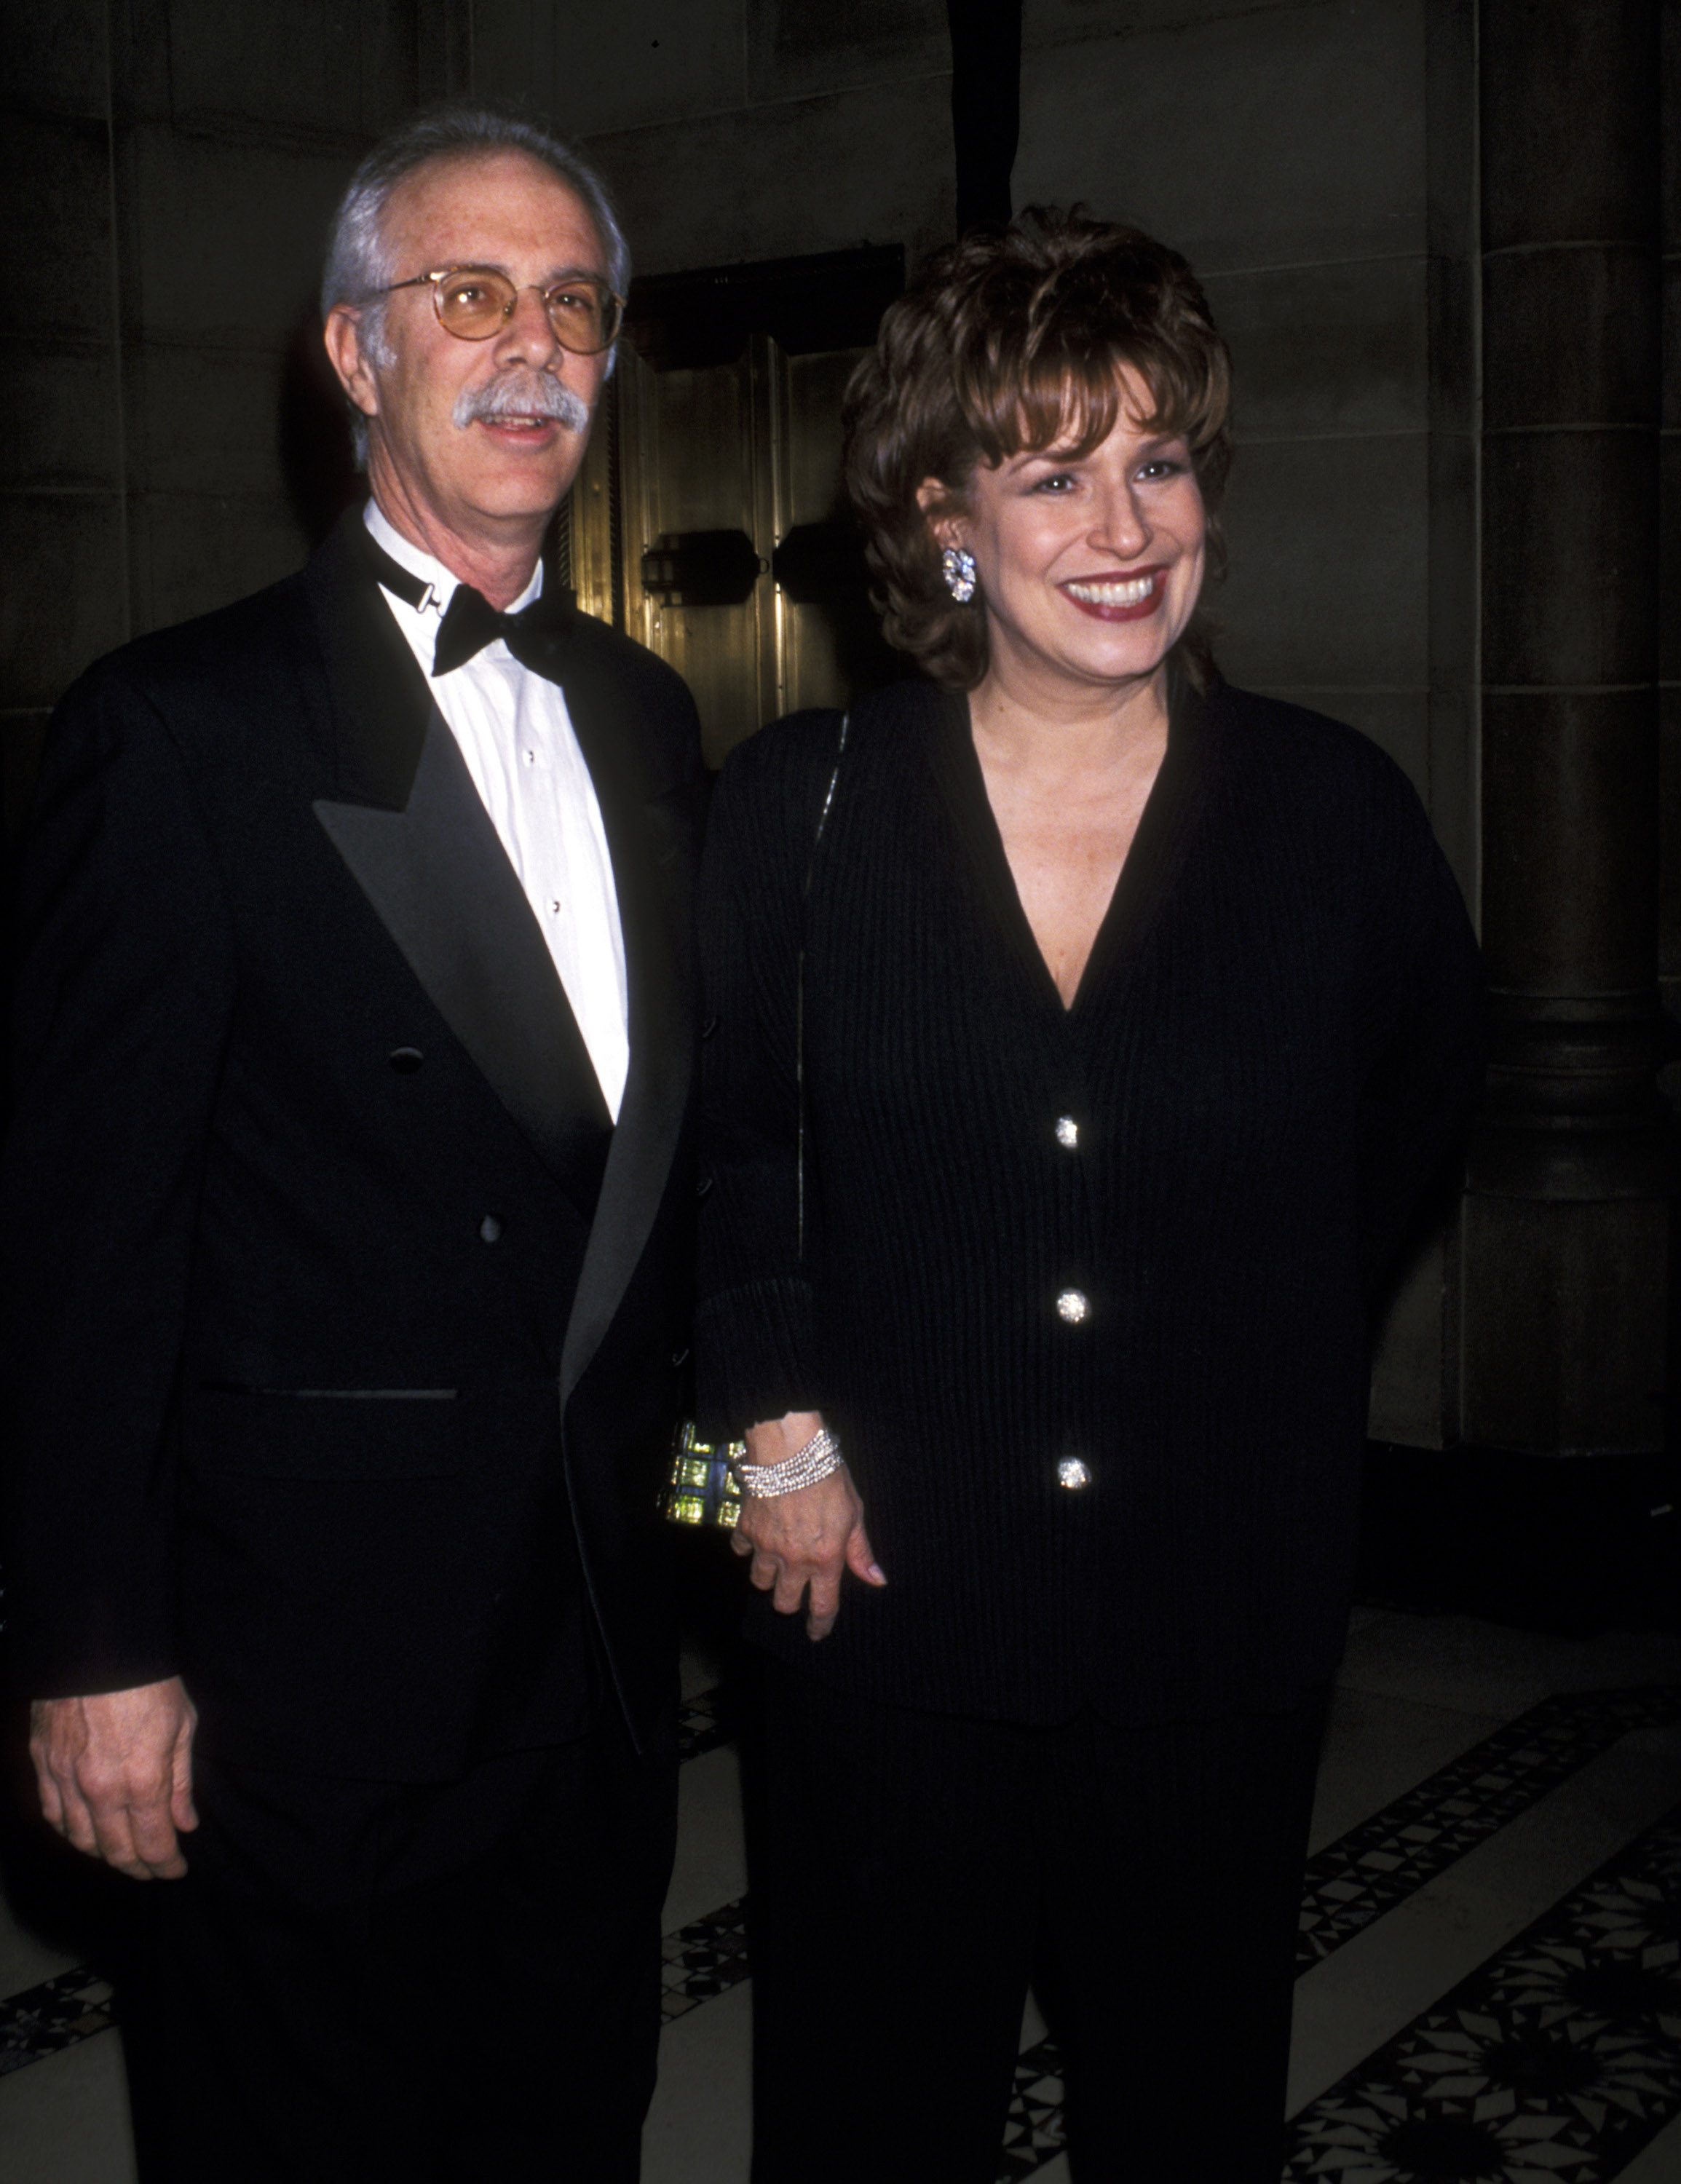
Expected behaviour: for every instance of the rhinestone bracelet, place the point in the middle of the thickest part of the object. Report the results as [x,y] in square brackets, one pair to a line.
[821,1456]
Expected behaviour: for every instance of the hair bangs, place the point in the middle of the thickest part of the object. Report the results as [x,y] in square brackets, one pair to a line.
[1060,386]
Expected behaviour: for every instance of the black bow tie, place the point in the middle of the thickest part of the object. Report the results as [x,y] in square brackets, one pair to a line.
[470,623]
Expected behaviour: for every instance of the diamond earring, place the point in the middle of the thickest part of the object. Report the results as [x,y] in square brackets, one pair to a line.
[957,566]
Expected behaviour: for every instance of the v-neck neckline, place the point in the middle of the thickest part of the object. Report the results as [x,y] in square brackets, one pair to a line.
[1145,875]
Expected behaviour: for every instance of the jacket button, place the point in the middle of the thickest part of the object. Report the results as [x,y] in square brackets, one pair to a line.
[704,1185]
[679,1358]
[490,1228]
[1068,1132]
[1074,1305]
[405,1059]
[1073,1473]
[709,1027]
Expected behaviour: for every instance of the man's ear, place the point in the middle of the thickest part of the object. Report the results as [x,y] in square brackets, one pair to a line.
[342,335]
[945,518]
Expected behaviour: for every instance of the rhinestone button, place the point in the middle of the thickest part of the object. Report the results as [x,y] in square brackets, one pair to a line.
[1074,1305]
[1068,1132]
[1073,1473]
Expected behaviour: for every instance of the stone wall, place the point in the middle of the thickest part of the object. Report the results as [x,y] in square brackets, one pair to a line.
[169,166]
[1669,566]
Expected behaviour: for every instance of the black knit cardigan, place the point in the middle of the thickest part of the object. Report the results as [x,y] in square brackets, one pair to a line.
[1276,1041]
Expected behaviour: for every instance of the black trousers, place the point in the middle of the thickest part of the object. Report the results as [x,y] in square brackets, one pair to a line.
[911,1873]
[373,1980]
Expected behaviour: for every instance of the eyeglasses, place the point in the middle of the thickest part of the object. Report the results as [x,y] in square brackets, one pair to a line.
[474,302]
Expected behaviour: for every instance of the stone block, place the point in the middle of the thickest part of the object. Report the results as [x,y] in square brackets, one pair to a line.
[140,60]
[1451,284]
[1329,552]
[1455,788]
[57,416]
[870,165]
[55,57]
[62,605]
[1669,192]
[55,183]
[1565,1333]
[1324,349]
[194,552]
[1669,556]
[204,420]
[222,241]
[795,49]
[1570,132]
[596,69]
[1272,137]
[23,736]
[1450,123]
[1671,276]
[1452,560]
[311,66]
[1570,786]
[1669,841]
[1570,337]
[1569,543]
[1071,22]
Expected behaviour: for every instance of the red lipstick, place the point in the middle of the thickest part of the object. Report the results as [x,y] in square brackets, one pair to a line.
[1116,598]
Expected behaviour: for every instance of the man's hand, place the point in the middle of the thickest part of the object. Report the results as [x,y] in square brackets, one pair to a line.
[807,1539]
[115,1773]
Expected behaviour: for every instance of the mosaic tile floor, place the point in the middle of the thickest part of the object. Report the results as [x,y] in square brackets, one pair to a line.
[1467,1768]
[1555,2063]
[55,2014]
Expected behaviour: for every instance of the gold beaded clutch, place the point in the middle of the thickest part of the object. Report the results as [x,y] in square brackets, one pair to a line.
[699,1489]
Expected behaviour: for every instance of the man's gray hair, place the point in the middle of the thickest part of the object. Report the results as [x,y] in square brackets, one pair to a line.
[358,264]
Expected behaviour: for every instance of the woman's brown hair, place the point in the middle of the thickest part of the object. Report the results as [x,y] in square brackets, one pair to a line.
[1013,340]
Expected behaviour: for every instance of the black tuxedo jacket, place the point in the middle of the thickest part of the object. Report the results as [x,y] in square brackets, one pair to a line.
[346,1334]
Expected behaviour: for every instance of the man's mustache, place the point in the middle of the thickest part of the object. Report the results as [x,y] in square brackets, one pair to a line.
[521,392]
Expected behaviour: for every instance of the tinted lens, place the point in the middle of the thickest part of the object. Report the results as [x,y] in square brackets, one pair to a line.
[584,315]
[473,303]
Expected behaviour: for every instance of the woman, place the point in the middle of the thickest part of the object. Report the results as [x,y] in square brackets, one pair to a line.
[1085,1033]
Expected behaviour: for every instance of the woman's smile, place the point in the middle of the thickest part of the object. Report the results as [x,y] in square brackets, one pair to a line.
[1118,599]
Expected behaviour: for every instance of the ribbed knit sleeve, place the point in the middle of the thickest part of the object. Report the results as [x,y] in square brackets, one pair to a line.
[755,1355]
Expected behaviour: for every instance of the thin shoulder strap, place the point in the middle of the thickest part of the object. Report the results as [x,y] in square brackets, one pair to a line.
[823,816]
[799,990]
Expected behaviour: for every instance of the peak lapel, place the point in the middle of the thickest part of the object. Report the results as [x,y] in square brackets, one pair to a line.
[411,828]
[380,701]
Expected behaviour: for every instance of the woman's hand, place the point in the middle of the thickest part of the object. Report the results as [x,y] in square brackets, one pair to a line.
[807,1539]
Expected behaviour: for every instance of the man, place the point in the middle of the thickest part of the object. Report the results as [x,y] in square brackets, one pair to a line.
[347,1211]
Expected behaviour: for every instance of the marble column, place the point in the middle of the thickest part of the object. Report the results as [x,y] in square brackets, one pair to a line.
[1566,1222]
